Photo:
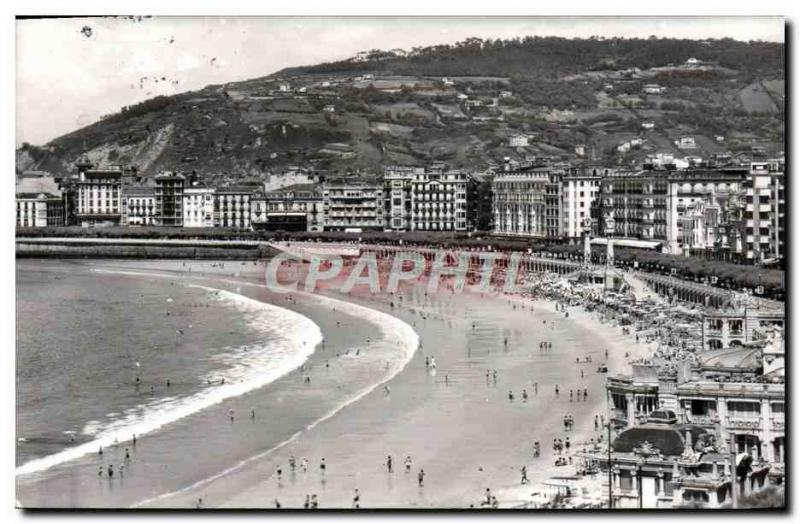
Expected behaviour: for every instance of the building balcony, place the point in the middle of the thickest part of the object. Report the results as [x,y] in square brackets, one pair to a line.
[743,423]
[703,420]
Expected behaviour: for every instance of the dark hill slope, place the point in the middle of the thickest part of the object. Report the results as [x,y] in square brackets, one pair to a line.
[384,108]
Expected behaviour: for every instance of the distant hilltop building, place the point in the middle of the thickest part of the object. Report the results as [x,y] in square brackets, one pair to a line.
[653,89]
[518,141]
[686,142]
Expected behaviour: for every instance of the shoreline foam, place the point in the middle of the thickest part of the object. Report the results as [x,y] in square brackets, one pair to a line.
[298,344]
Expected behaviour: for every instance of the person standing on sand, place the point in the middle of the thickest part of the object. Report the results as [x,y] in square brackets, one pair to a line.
[304,464]
[307,502]
[510,396]
[524,473]
[314,502]
[556,389]
[322,466]
[408,463]
[421,477]
[356,499]
[389,463]
[524,395]
[277,504]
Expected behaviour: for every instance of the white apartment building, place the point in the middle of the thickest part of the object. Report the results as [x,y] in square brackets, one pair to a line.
[294,208]
[39,202]
[527,201]
[232,207]
[427,199]
[764,211]
[99,196]
[139,206]
[579,192]
[353,205]
[397,183]
[198,207]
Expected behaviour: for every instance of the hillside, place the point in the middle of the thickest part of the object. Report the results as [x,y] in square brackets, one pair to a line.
[460,104]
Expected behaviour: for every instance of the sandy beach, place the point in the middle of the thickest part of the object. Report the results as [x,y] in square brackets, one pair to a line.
[455,423]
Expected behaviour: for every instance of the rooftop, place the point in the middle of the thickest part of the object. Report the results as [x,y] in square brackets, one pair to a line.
[32,186]
[744,358]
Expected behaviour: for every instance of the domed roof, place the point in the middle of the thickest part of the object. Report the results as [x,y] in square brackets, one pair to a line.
[669,439]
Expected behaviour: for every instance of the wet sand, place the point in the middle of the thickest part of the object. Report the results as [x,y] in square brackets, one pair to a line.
[462,429]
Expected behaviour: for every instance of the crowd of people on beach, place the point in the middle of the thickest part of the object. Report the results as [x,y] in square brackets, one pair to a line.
[648,322]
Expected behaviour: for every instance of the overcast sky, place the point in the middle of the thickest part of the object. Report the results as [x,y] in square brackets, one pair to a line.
[67,79]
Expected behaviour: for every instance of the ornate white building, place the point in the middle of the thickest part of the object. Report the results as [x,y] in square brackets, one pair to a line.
[527,201]
[198,207]
[99,195]
[427,199]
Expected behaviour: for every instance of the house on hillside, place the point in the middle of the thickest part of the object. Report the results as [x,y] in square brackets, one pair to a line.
[506,94]
[329,109]
[648,125]
[686,142]
[284,88]
[653,89]
[447,82]
[518,141]
[338,149]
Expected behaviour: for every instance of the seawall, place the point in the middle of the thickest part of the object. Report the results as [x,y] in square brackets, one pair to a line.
[123,248]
